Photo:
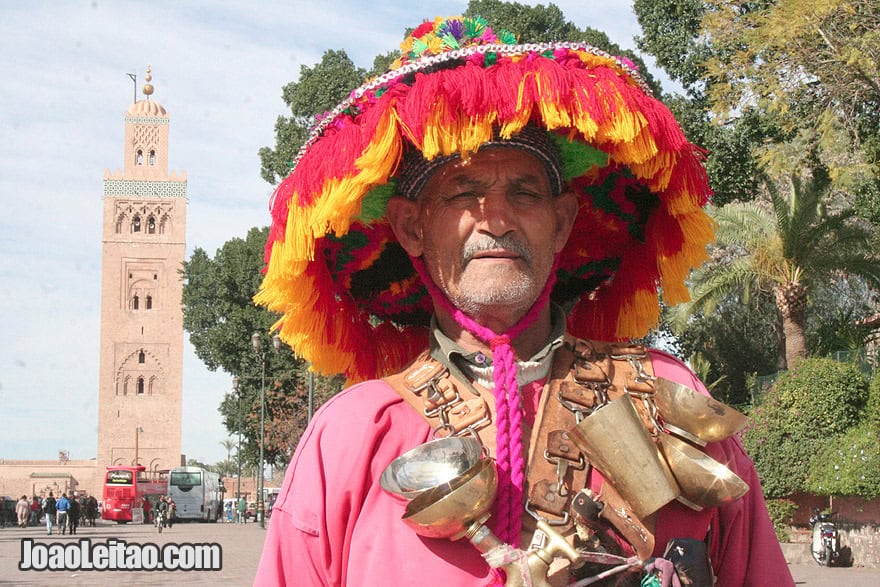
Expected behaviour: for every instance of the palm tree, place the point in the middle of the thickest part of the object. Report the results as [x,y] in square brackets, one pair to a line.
[784,247]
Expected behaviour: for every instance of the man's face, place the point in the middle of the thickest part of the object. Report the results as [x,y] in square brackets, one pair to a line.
[488,229]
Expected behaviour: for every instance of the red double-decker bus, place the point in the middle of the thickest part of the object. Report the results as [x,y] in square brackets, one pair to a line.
[124,490]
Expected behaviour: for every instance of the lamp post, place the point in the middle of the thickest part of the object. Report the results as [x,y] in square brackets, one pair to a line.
[236,385]
[257,343]
[137,438]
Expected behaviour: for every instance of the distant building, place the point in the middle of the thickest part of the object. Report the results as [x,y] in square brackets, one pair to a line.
[144,247]
[141,354]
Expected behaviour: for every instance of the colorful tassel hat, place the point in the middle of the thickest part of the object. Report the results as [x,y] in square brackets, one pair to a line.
[351,301]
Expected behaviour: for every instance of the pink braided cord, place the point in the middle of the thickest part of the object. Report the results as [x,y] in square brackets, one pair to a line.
[509,459]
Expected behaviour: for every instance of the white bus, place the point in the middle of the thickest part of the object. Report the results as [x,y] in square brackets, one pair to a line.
[196,494]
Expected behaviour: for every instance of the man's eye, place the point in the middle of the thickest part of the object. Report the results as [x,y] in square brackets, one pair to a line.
[459,196]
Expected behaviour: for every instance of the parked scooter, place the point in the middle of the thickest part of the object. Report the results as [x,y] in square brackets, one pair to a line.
[825,545]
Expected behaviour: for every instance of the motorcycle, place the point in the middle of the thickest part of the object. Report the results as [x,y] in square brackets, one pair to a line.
[825,546]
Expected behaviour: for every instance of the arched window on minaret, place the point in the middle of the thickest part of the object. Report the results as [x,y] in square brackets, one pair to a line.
[119,223]
[140,386]
[136,223]
[125,385]
[135,302]
[149,300]
[139,157]
[152,156]
[151,225]
[142,357]
[153,386]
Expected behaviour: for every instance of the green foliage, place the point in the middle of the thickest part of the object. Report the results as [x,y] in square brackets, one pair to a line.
[735,339]
[671,34]
[318,90]
[872,408]
[220,317]
[808,408]
[847,465]
[781,512]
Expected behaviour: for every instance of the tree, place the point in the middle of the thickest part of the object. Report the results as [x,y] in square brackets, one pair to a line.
[807,71]
[220,317]
[784,247]
[811,65]
[809,408]
[318,90]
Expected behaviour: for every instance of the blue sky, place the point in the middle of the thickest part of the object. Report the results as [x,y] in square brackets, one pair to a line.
[218,68]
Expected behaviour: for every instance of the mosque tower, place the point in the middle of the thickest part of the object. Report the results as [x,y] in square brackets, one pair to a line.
[143,244]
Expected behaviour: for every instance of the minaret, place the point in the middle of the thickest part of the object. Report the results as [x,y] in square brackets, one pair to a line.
[141,368]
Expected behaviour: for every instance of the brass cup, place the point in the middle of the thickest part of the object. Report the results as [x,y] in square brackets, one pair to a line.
[704,481]
[450,509]
[429,465]
[694,416]
[616,443]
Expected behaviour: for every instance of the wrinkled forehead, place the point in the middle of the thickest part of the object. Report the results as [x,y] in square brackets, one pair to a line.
[415,170]
[495,166]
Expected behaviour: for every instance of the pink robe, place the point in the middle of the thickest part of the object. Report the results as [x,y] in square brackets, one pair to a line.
[333,524]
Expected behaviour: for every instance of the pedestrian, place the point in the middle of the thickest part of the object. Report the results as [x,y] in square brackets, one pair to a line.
[73,515]
[36,508]
[147,506]
[242,510]
[172,511]
[62,506]
[92,510]
[462,235]
[23,510]
[49,510]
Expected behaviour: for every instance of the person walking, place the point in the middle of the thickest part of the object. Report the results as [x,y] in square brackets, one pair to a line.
[36,507]
[62,506]
[475,236]
[49,510]
[74,514]
[242,510]
[23,511]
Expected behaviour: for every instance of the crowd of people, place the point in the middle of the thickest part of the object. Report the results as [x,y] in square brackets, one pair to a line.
[64,513]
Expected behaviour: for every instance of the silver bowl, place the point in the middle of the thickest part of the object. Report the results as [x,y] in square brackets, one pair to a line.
[430,465]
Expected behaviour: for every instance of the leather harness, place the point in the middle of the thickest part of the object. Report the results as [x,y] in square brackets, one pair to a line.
[584,375]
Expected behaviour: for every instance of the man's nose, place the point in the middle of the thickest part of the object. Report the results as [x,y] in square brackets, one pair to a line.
[496,213]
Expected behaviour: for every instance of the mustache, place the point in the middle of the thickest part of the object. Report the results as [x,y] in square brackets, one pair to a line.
[506,243]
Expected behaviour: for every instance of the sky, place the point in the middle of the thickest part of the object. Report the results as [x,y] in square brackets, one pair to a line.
[218,68]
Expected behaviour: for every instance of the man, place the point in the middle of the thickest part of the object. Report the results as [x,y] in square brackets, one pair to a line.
[36,506]
[62,506]
[434,226]
[242,510]
[49,510]
[146,506]
[22,509]
[73,514]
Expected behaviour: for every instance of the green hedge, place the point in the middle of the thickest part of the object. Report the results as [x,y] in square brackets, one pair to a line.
[807,408]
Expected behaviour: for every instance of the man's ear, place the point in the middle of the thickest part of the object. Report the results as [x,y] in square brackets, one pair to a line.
[567,207]
[403,216]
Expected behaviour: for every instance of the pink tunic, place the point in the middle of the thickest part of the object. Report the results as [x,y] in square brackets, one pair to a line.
[333,524]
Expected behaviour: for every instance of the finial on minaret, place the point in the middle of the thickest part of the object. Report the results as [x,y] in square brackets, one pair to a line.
[148,87]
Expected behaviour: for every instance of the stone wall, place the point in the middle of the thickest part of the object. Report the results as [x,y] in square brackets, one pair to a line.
[39,477]
[857,519]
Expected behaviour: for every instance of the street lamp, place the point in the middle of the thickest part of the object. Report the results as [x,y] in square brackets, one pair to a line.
[137,437]
[236,385]
[257,343]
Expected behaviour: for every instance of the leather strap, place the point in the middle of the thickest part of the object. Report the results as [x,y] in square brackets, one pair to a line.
[583,374]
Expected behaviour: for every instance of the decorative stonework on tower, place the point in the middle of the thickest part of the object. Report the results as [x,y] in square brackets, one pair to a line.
[144,244]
